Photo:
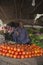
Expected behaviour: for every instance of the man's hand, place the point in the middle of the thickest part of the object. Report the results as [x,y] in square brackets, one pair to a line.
[17,33]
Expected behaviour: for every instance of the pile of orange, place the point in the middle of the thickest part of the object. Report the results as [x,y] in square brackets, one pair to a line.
[20,50]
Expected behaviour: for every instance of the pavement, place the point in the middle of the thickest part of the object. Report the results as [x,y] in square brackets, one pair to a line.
[29,61]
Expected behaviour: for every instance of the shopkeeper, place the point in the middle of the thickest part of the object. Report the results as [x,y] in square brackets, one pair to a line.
[20,35]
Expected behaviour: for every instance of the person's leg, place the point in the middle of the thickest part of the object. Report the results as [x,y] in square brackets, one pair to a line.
[28,43]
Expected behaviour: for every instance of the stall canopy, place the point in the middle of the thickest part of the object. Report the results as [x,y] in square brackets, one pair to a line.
[13,10]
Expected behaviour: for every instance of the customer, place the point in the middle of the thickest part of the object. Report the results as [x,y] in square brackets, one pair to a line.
[12,30]
[9,31]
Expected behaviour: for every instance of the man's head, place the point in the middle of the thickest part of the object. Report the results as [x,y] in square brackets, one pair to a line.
[21,24]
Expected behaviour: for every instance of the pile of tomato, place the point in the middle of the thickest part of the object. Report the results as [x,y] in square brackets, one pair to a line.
[20,50]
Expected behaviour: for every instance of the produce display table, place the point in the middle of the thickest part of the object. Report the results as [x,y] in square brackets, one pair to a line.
[12,61]
[20,54]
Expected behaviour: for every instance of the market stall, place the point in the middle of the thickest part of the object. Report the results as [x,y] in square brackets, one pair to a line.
[18,50]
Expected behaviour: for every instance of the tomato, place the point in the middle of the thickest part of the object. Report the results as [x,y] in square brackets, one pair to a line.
[26,56]
[2,46]
[23,52]
[18,45]
[20,53]
[27,53]
[7,54]
[16,53]
[5,47]
[41,54]
[18,56]
[15,49]
[32,55]
[41,50]
[29,56]
[14,56]
[33,52]
[36,51]
[22,56]
[11,48]
[15,45]
[18,49]
[0,53]
[9,51]
[11,55]
[0,49]
[22,49]
[3,54]
[38,54]
[5,51]
[28,45]
[8,47]
[12,52]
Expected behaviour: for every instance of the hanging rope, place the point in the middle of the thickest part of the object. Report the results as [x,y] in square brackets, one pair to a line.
[15,8]
[21,7]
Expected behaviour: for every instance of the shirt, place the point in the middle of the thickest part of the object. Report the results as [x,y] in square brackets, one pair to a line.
[22,37]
